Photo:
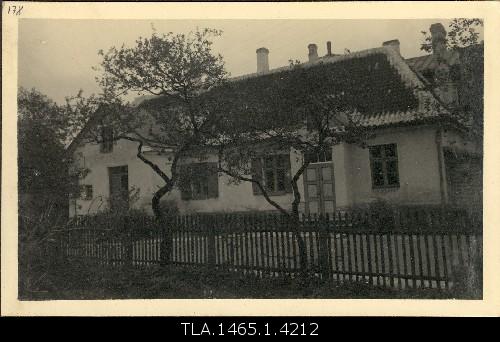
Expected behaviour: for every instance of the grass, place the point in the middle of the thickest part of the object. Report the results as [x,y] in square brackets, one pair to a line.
[79,281]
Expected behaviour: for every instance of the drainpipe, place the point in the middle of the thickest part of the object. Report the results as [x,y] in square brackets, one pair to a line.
[441,166]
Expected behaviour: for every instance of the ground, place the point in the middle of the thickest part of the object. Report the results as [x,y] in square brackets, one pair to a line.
[155,282]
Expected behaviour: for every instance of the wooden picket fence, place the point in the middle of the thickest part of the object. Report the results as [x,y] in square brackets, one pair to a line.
[405,249]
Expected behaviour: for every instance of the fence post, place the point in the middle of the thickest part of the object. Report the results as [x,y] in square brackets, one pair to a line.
[53,253]
[324,253]
[210,227]
[65,255]
[128,242]
[167,240]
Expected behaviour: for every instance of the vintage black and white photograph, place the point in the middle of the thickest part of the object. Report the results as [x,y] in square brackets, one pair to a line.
[250,158]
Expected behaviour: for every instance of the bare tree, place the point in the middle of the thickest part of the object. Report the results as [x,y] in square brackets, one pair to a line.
[176,68]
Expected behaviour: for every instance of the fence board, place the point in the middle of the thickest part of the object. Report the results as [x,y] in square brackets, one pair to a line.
[410,249]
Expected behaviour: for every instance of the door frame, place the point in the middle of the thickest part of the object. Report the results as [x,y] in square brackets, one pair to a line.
[124,197]
[319,184]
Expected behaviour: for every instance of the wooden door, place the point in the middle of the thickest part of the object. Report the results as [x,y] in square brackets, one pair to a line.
[118,188]
[319,188]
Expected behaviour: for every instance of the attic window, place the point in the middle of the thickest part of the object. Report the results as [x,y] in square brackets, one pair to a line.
[107,139]
[74,187]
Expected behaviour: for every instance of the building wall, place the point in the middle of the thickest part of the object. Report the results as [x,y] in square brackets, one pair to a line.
[464,179]
[418,166]
[417,163]
[453,139]
[236,197]
[141,176]
[463,168]
[231,197]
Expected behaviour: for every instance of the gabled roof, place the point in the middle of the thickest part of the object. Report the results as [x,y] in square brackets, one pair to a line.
[430,62]
[390,90]
[385,89]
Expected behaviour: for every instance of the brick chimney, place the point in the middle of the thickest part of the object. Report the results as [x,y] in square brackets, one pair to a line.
[445,87]
[393,44]
[438,36]
[262,60]
[328,48]
[313,52]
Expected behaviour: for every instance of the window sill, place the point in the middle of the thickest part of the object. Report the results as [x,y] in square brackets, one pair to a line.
[199,199]
[273,194]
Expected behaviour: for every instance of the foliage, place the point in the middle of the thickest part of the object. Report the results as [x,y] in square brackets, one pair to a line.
[43,180]
[462,32]
[463,38]
[40,164]
[123,208]
[471,86]
[44,128]
[169,208]
[169,64]
[113,217]
[36,108]
[293,111]
[290,111]
[36,242]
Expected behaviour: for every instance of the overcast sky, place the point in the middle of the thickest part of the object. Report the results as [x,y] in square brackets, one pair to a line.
[57,56]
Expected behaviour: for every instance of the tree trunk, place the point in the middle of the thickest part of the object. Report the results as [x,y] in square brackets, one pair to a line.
[304,267]
[164,225]
[155,202]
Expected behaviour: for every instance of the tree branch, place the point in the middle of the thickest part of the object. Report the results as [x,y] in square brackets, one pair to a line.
[262,189]
[152,165]
[296,192]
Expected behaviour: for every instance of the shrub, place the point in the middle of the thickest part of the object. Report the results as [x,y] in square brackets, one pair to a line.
[169,209]
[381,213]
[36,246]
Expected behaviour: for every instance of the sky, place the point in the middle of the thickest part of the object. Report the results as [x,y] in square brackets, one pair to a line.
[56,56]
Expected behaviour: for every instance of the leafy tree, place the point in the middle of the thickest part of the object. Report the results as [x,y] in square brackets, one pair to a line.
[176,68]
[43,182]
[293,111]
[462,33]
[42,161]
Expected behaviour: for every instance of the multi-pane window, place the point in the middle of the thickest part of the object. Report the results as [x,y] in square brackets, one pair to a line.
[273,173]
[384,166]
[107,139]
[87,192]
[321,157]
[199,181]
